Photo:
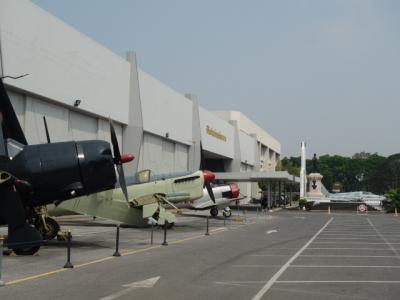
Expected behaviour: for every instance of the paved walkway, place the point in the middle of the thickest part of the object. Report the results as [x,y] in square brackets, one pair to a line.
[286,255]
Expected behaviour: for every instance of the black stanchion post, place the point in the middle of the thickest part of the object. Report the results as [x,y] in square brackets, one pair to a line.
[1,259]
[116,253]
[152,233]
[165,233]
[207,233]
[68,265]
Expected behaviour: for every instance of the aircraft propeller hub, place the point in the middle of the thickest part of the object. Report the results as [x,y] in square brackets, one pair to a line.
[235,190]
[208,176]
[125,158]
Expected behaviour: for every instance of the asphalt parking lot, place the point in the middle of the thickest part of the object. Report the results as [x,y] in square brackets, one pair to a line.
[94,239]
[307,255]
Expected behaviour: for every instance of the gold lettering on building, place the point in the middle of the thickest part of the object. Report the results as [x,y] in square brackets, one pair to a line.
[215,134]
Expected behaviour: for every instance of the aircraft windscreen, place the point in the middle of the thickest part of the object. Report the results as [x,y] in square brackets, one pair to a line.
[14,148]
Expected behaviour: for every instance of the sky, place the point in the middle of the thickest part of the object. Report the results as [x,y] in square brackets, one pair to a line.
[326,72]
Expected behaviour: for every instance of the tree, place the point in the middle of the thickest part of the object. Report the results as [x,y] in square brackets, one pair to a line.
[291,165]
[394,195]
[362,172]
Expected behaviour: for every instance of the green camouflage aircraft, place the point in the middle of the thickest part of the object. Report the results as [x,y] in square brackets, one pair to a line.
[146,196]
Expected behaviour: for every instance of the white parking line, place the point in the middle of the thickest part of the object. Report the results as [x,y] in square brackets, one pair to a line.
[346,234]
[384,239]
[275,277]
[348,256]
[345,238]
[363,226]
[314,294]
[336,281]
[346,231]
[256,266]
[237,283]
[343,266]
[318,266]
[356,243]
[269,255]
[344,248]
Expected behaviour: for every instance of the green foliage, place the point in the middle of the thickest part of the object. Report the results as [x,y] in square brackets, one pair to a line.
[394,195]
[263,185]
[362,172]
[302,202]
[292,165]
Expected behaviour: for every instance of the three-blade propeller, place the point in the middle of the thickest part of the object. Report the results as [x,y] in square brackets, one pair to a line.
[119,160]
[208,176]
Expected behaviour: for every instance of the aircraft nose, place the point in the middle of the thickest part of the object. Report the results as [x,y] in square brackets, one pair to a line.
[208,176]
[235,190]
[127,158]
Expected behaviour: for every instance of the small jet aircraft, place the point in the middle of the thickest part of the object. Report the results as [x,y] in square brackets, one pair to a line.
[359,196]
[32,176]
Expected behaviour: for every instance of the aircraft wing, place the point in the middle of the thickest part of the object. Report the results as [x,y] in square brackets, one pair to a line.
[10,124]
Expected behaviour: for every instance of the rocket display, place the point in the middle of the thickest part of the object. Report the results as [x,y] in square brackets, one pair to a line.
[303,175]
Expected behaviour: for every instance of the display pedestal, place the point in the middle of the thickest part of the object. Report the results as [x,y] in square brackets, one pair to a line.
[314,184]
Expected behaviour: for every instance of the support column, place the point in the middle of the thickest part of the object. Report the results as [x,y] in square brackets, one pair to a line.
[195,150]
[290,193]
[284,194]
[236,162]
[274,193]
[257,165]
[279,192]
[269,194]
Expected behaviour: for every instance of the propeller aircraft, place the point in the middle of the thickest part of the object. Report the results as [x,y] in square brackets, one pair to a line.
[147,196]
[32,176]
[223,195]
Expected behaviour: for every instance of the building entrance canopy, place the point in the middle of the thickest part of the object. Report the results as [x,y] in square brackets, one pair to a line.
[272,178]
[257,176]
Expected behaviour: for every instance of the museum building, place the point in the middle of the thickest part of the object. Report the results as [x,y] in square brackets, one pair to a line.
[79,84]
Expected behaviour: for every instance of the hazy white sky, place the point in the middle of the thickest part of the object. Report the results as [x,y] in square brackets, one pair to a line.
[327,72]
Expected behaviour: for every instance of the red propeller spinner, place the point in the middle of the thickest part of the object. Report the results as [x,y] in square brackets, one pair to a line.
[208,176]
[126,158]
[235,190]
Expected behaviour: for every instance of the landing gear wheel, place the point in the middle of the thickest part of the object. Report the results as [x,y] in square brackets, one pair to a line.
[227,214]
[214,211]
[52,229]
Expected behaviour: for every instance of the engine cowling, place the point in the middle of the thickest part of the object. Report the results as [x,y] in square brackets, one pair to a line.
[64,170]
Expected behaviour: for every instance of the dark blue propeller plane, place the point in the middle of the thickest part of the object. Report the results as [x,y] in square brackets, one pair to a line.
[32,176]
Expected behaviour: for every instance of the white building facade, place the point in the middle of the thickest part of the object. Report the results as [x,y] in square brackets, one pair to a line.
[163,128]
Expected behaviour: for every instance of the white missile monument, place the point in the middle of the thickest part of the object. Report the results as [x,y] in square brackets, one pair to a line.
[303,175]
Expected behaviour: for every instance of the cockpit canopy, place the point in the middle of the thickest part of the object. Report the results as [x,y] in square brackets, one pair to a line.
[14,148]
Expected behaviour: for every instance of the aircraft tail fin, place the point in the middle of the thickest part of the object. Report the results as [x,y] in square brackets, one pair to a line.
[11,126]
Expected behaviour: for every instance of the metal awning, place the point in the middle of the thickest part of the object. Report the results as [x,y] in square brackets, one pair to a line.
[256,176]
